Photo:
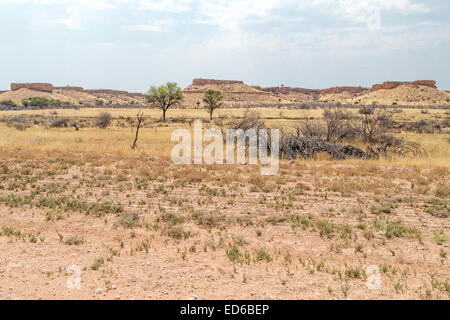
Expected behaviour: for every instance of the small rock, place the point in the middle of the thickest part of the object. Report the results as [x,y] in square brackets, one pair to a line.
[98,291]
[193,297]
[114,287]
[118,298]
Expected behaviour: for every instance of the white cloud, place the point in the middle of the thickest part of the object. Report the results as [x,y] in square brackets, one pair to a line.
[72,21]
[107,45]
[175,6]
[356,10]
[155,26]
[232,13]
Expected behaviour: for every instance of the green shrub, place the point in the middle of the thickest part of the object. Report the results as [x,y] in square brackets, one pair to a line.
[42,102]
[8,103]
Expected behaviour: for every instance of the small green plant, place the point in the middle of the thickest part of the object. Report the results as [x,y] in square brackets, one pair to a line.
[345,288]
[233,253]
[439,237]
[129,220]
[97,264]
[262,254]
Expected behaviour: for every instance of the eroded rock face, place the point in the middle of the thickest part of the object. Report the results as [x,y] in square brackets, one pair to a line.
[113,92]
[45,87]
[79,89]
[387,85]
[204,82]
[335,90]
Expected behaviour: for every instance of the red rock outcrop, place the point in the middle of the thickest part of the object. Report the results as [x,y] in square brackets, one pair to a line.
[114,92]
[79,89]
[135,94]
[106,91]
[45,87]
[334,90]
[204,82]
[387,85]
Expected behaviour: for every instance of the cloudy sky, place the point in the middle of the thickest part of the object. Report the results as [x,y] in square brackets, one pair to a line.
[132,44]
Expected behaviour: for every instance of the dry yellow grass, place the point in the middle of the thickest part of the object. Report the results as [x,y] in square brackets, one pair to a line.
[156,142]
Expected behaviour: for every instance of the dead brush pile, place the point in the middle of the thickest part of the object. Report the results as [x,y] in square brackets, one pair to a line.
[20,122]
[292,147]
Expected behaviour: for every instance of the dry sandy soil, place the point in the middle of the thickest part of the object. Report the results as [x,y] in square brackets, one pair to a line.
[141,228]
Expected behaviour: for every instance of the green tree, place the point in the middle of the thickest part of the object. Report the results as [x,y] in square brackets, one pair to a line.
[213,100]
[165,96]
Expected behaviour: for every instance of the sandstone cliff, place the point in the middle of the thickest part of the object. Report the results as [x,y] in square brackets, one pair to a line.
[45,87]
[387,85]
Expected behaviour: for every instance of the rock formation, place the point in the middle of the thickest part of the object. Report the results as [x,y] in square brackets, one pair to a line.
[387,85]
[45,87]
[204,82]
[334,90]
[79,89]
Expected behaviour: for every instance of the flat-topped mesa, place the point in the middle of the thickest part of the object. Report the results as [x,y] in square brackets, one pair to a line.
[135,94]
[334,90]
[387,85]
[72,88]
[204,82]
[114,92]
[106,91]
[45,87]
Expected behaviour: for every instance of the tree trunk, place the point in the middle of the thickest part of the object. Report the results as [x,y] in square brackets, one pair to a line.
[164,115]
[210,114]
[140,119]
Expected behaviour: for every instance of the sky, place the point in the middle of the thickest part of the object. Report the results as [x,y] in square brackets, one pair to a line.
[133,44]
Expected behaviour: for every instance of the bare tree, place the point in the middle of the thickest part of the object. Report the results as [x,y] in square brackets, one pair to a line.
[140,121]
[308,128]
[338,125]
[374,123]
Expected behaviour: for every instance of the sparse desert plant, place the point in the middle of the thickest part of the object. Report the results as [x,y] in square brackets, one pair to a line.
[74,240]
[439,237]
[97,264]
[59,122]
[8,103]
[233,253]
[129,220]
[19,122]
[103,120]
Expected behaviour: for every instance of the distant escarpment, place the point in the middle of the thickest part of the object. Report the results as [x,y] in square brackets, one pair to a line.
[238,94]
[387,85]
[204,82]
[44,87]
[334,90]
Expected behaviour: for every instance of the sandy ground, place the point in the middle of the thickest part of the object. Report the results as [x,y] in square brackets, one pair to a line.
[314,231]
